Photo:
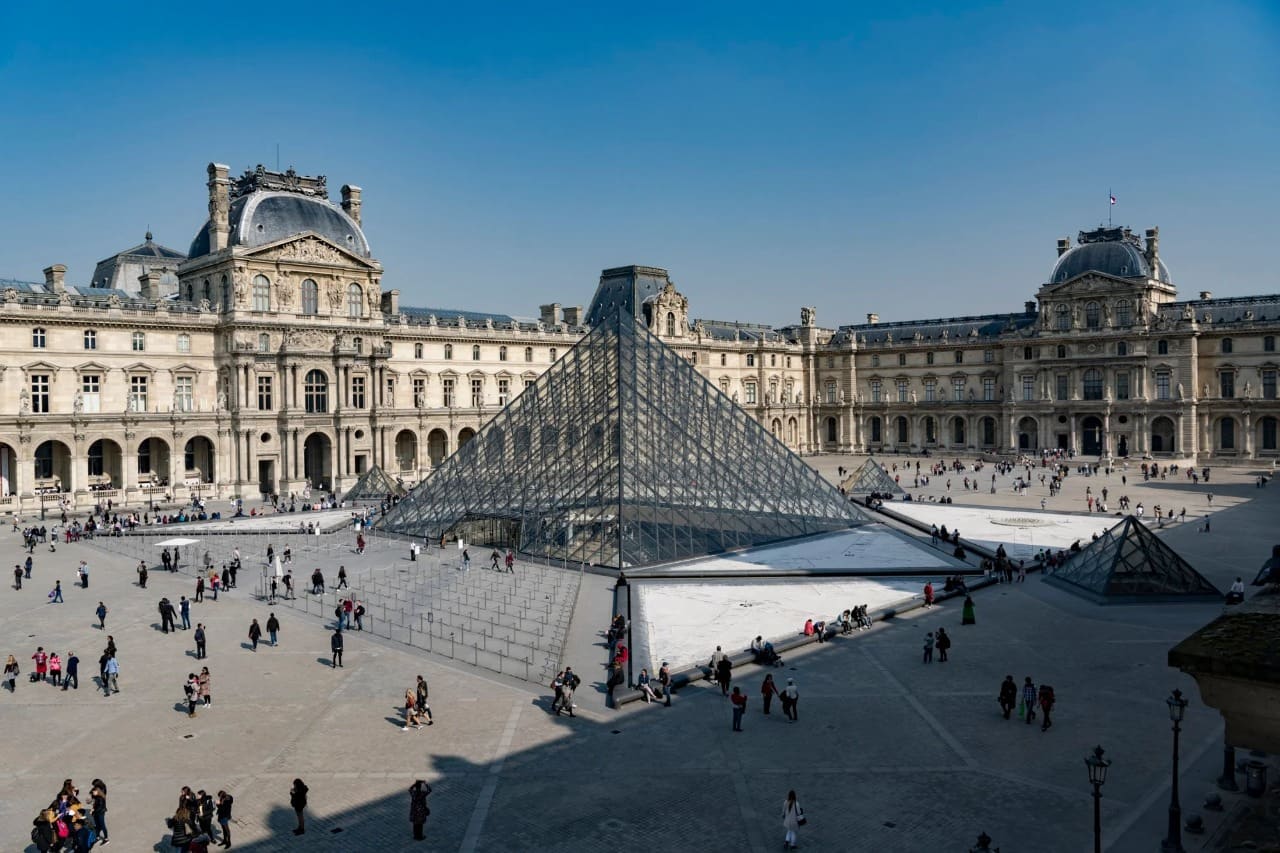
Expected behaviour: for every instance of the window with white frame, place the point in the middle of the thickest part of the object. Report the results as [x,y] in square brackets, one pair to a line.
[1227,384]
[417,350]
[751,360]
[91,393]
[959,356]
[90,339]
[988,388]
[749,392]
[1063,389]
[504,391]
[1028,387]
[265,401]
[875,390]
[137,393]
[40,393]
[448,385]
[551,355]
[1162,385]
[355,300]
[1122,385]
[38,338]
[419,392]
[1062,318]
[358,345]
[957,388]
[528,354]
[357,392]
[184,342]
[183,393]
[477,393]
[139,342]
[1268,384]
[988,356]
[261,293]
[310,298]
[502,353]
[904,390]
[315,392]
[475,353]
[1093,384]
[264,342]
[448,352]
[831,391]
[930,390]
[1124,313]
[1092,315]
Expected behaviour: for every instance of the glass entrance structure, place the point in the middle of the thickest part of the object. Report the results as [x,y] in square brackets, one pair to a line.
[622,454]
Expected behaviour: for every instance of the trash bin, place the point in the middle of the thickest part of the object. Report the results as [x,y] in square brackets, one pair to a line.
[1255,779]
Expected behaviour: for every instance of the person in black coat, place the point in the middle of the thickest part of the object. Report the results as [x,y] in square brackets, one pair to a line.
[1008,696]
[724,673]
[298,799]
[335,646]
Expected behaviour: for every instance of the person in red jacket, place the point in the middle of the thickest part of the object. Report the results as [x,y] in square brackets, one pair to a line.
[768,690]
[928,595]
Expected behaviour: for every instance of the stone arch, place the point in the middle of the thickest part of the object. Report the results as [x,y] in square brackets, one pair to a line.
[153,461]
[437,446]
[8,470]
[317,460]
[987,429]
[793,432]
[464,435]
[875,430]
[53,466]
[1163,436]
[198,459]
[957,430]
[1266,439]
[1028,434]
[775,427]
[105,465]
[929,429]
[1226,434]
[901,430]
[407,451]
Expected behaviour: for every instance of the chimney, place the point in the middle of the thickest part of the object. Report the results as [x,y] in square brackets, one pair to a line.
[1064,245]
[550,314]
[54,278]
[1206,294]
[149,286]
[351,201]
[873,319]
[1030,306]
[573,316]
[1153,250]
[219,207]
[391,302]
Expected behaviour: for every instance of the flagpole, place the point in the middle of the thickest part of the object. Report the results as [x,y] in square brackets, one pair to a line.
[1110,205]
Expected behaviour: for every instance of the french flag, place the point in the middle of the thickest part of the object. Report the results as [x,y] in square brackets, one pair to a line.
[1113,199]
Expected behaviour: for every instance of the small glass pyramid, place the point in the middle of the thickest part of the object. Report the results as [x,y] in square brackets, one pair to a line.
[622,454]
[1130,564]
[872,477]
[374,486]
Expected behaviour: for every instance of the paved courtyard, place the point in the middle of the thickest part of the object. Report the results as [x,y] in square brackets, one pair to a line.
[888,753]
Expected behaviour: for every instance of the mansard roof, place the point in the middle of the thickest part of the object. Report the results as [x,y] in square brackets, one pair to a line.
[958,329]
[1235,309]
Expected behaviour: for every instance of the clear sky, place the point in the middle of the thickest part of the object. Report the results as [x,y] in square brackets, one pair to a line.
[913,159]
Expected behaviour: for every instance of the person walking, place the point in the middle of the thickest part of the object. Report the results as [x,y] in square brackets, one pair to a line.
[422,695]
[418,809]
[273,627]
[288,584]
[98,809]
[359,543]
[966,614]
[335,646]
[1045,700]
[255,633]
[724,674]
[200,641]
[342,578]
[222,809]
[11,674]
[410,711]
[275,586]
[190,689]
[72,677]
[664,678]
[466,560]
[944,644]
[142,575]
[792,819]
[17,576]
[166,616]
[298,800]
[184,610]
[1008,697]
[55,597]
[200,588]
[494,558]
[928,647]
[1028,700]
[739,700]
[768,689]
[101,613]
[511,561]
[26,568]
[791,705]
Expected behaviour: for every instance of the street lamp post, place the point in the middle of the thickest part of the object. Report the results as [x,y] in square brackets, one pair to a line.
[1097,777]
[1173,839]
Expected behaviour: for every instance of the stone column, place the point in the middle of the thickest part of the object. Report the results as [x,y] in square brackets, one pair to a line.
[1246,424]
[297,457]
[1106,433]
[1073,442]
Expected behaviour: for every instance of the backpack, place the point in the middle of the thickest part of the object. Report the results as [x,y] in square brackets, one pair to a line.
[91,837]
[1046,695]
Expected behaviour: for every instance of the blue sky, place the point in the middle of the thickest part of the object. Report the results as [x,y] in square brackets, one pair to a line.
[912,159]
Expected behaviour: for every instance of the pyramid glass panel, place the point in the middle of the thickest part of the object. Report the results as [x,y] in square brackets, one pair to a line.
[872,477]
[1130,564]
[374,486]
[622,454]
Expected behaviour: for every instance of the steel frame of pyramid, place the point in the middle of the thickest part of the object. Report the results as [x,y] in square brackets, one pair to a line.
[373,486]
[872,477]
[622,454]
[1129,564]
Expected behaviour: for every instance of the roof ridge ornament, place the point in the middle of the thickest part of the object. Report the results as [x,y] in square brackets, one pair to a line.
[263,179]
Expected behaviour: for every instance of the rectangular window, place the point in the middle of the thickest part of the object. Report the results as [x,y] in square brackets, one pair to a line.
[38,338]
[1062,389]
[529,383]
[928,358]
[137,393]
[1028,387]
[988,388]
[448,392]
[1162,386]
[90,389]
[875,390]
[419,393]
[988,356]
[957,388]
[1227,383]
[831,392]
[552,355]
[90,339]
[1122,385]
[357,392]
[959,356]
[183,388]
[904,388]
[902,359]
[184,342]
[1268,384]
[930,390]
[139,342]
[477,393]
[391,391]
[265,403]
[40,393]
[504,391]
[750,389]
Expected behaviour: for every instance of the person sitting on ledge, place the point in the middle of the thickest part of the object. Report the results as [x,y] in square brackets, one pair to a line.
[820,628]
[808,627]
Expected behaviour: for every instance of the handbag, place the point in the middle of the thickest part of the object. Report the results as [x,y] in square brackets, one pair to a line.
[1022,710]
[801,820]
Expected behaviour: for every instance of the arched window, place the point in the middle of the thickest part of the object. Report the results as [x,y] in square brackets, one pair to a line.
[832,430]
[261,293]
[1092,315]
[1228,346]
[264,342]
[1269,433]
[191,293]
[1162,347]
[875,430]
[1122,348]
[316,392]
[1062,318]
[724,359]
[1093,384]
[1124,313]
[1227,434]
[751,360]
[551,356]
[671,324]
[208,291]
[310,298]
[475,353]
[355,300]
[225,295]
[448,352]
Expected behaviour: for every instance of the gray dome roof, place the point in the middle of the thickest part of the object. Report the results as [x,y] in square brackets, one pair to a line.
[1117,258]
[266,217]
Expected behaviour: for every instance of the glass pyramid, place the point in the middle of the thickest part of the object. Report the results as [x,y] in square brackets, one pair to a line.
[872,477]
[622,454]
[1130,564]
[374,486]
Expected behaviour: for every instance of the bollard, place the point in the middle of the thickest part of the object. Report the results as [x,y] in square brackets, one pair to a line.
[1255,779]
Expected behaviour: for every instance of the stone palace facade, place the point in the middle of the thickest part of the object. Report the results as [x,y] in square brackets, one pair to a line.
[268,359]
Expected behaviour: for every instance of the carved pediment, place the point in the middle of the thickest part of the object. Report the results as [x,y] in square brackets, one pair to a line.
[314,340]
[309,248]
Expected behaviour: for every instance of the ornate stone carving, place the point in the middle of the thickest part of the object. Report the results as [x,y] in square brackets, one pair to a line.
[284,292]
[24,401]
[10,294]
[242,286]
[808,316]
[335,297]
[77,404]
[374,297]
